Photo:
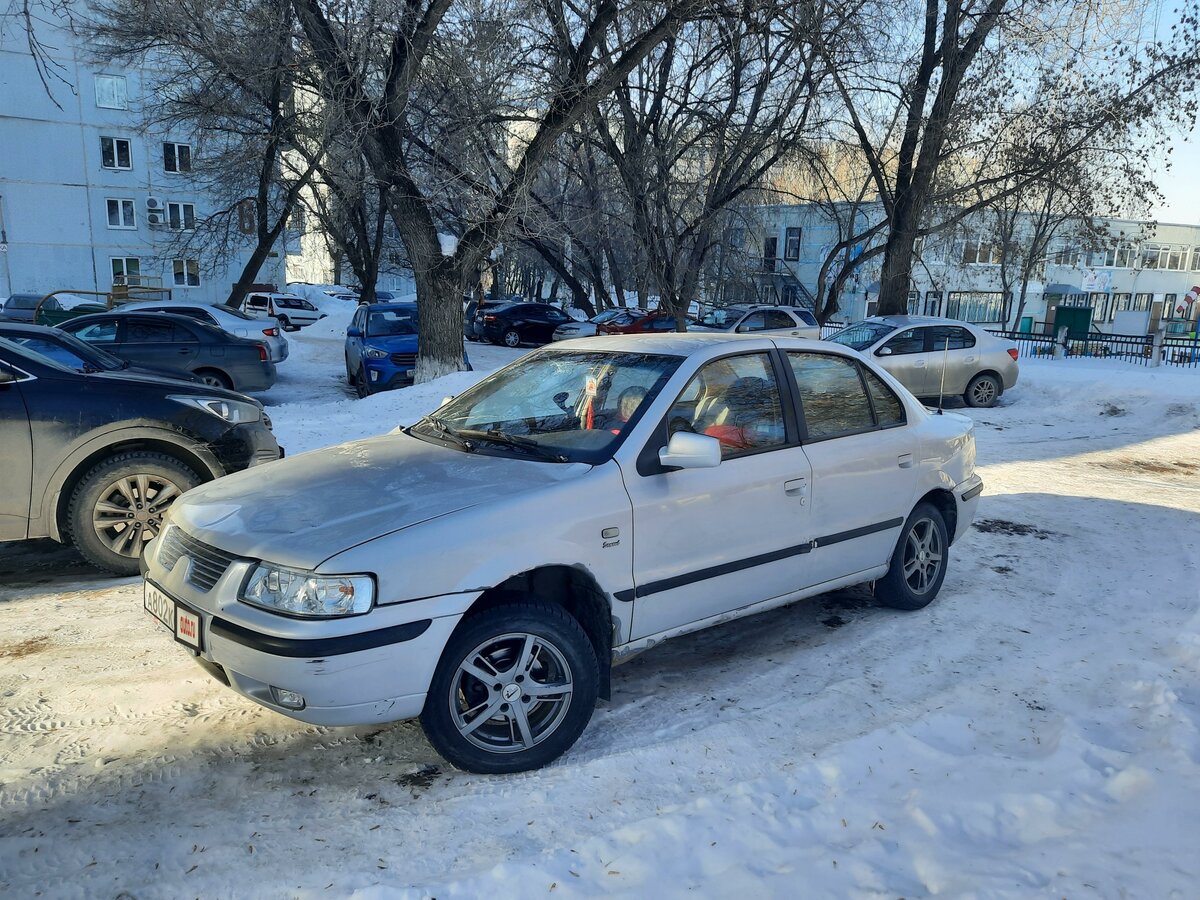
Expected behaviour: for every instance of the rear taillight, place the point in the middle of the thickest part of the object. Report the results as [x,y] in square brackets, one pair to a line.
[262,352]
[271,332]
[489,318]
[1014,353]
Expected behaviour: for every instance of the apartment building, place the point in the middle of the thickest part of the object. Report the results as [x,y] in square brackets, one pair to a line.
[88,200]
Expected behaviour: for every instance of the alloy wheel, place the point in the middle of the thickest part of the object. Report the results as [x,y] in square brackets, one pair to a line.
[983,392]
[922,556]
[130,510]
[512,339]
[511,692]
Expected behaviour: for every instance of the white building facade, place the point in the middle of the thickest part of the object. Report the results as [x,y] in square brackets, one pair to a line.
[88,201]
[1141,275]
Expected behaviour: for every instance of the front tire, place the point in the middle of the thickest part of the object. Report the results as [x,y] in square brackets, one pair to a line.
[982,391]
[918,562]
[361,386]
[118,506]
[513,690]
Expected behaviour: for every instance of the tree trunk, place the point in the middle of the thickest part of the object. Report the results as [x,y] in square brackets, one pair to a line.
[896,275]
[441,341]
[250,271]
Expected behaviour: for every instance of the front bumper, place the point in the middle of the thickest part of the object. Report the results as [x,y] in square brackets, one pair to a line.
[382,375]
[350,671]
[246,445]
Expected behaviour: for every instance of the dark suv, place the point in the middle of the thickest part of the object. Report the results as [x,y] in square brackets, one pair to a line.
[95,459]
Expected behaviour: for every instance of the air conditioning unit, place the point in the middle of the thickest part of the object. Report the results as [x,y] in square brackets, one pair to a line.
[154,203]
[156,219]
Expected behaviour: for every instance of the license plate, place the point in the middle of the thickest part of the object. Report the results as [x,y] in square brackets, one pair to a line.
[182,622]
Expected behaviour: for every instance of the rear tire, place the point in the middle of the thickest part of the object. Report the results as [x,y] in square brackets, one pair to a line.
[538,690]
[118,506]
[982,391]
[918,562]
[214,378]
[512,338]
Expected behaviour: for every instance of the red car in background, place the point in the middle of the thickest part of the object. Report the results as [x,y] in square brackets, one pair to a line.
[654,323]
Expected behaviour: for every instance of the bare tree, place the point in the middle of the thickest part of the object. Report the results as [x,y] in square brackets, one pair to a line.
[375,57]
[974,72]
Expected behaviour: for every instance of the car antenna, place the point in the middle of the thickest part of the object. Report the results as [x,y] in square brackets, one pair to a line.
[942,386]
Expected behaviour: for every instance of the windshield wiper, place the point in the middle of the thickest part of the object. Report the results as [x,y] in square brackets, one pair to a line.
[518,441]
[445,431]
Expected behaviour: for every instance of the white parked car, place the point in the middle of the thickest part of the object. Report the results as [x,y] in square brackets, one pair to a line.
[485,567]
[292,312]
[790,320]
[935,357]
[231,321]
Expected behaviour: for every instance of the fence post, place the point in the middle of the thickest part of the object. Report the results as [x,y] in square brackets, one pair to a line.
[1060,343]
[1156,352]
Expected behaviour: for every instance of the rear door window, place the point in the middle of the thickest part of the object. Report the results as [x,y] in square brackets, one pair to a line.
[951,337]
[145,331]
[833,395]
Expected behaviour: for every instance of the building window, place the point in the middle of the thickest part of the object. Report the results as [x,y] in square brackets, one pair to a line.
[1119,257]
[914,303]
[181,216]
[791,243]
[1121,303]
[1196,259]
[981,251]
[1066,255]
[177,157]
[1142,301]
[187,272]
[126,270]
[977,306]
[115,153]
[121,213]
[1162,256]
[1099,303]
[933,303]
[111,92]
[770,251]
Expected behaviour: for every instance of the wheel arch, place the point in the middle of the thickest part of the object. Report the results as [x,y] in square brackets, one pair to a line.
[571,587]
[999,379]
[71,472]
[943,501]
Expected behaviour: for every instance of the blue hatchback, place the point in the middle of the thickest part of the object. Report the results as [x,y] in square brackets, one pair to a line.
[381,347]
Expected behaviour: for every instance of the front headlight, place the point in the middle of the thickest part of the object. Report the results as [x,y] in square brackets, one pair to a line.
[374,353]
[300,593]
[233,411]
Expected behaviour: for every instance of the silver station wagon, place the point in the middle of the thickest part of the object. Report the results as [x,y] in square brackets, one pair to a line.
[935,357]
[484,568]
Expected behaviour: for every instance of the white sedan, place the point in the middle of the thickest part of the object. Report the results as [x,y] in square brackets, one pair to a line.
[484,568]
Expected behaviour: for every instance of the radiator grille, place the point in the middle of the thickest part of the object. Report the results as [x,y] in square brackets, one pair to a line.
[404,359]
[208,563]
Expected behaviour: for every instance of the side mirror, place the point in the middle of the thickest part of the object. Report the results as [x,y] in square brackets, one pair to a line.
[354,332]
[691,451]
[884,351]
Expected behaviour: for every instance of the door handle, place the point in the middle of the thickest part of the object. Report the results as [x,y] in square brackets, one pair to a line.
[969,359]
[183,351]
[904,460]
[919,364]
[797,487]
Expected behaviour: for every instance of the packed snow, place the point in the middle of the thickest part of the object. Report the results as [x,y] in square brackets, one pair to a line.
[1033,732]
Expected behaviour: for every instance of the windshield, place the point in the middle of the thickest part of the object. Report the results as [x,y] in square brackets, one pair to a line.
[388,322]
[719,318]
[567,406]
[861,335]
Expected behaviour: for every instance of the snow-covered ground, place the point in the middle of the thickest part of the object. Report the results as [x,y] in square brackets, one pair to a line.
[1033,732]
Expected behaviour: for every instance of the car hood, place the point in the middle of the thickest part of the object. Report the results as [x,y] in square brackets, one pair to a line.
[394,343]
[302,510]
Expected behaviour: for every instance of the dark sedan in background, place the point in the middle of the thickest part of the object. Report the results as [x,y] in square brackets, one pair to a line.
[75,354]
[522,323]
[168,341]
[96,459]
[23,307]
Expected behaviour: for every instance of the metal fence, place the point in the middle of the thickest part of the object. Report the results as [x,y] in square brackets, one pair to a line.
[1132,348]
[831,328]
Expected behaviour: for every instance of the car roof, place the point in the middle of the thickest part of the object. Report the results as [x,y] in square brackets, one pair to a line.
[168,317]
[687,343]
[26,328]
[910,321]
[396,304]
